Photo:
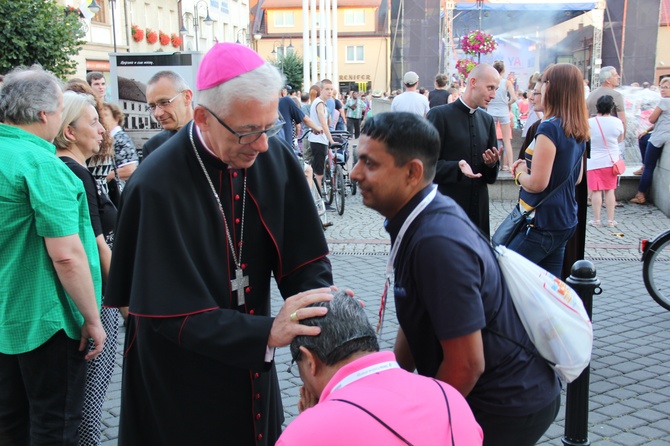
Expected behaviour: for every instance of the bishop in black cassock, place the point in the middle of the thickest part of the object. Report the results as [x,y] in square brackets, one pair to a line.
[467,133]
[196,368]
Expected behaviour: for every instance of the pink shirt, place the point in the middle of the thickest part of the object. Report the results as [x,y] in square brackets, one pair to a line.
[411,404]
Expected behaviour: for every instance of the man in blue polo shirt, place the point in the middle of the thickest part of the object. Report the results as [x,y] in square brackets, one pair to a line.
[457,320]
[293,116]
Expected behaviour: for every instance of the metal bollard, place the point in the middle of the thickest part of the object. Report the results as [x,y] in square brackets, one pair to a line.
[584,281]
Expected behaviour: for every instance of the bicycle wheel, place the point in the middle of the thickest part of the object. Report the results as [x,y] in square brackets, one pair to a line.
[320,205]
[328,184]
[656,270]
[340,190]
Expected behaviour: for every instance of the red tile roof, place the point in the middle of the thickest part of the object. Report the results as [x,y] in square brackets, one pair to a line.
[665,12]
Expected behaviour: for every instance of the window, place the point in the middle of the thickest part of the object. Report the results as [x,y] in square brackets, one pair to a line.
[356,54]
[354,17]
[283,18]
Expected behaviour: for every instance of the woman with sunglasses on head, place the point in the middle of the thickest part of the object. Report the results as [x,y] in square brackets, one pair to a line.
[551,169]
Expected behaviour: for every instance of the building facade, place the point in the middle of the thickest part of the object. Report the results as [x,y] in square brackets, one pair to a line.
[134,26]
[362,39]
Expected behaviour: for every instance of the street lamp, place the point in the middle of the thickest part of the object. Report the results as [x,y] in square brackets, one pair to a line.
[208,21]
[183,30]
[257,37]
[276,44]
[244,36]
[95,8]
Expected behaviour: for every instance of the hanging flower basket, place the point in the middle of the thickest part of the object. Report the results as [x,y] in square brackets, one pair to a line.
[164,38]
[152,36]
[137,32]
[477,42]
[176,40]
[72,10]
[465,66]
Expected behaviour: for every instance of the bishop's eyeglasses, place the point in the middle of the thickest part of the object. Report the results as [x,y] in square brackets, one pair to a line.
[251,137]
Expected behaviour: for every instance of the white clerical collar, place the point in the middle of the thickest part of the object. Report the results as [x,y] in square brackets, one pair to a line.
[202,140]
[472,110]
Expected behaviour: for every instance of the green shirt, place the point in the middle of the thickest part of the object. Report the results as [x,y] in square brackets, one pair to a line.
[39,197]
[355,108]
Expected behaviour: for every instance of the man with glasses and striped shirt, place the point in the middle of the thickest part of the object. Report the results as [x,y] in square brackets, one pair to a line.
[170,100]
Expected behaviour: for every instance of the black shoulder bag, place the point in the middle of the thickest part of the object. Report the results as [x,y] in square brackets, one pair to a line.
[517,220]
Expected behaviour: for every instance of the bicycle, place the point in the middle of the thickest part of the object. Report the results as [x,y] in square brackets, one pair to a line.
[317,196]
[342,154]
[334,185]
[656,268]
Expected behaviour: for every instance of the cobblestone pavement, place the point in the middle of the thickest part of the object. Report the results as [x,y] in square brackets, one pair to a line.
[630,371]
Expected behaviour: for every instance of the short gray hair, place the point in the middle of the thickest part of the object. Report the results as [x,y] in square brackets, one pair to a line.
[606,73]
[345,330]
[26,92]
[262,85]
[177,81]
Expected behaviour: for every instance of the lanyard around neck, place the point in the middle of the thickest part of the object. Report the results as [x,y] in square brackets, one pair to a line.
[371,370]
[408,221]
[396,246]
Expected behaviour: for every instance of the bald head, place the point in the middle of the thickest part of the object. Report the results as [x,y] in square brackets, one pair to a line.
[481,87]
[482,70]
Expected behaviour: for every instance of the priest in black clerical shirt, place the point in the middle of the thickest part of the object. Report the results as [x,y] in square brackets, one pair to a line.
[171,102]
[204,224]
[468,136]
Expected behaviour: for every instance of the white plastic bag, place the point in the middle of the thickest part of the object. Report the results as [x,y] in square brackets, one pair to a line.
[551,312]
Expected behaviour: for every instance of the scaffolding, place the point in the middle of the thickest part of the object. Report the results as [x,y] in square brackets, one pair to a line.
[598,15]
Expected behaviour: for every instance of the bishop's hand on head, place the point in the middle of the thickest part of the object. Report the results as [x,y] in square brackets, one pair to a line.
[285,327]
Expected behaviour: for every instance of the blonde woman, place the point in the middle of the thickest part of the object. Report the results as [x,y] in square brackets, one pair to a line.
[79,139]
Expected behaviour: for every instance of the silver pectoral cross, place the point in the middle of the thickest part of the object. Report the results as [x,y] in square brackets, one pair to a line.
[237,284]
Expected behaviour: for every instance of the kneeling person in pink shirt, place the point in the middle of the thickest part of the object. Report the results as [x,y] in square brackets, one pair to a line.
[355,394]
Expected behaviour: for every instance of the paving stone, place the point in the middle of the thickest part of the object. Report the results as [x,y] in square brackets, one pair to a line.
[629,439]
[659,442]
[649,432]
[615,410]
[627,422]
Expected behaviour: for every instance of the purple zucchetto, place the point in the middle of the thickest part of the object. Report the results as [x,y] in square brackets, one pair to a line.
[225,61]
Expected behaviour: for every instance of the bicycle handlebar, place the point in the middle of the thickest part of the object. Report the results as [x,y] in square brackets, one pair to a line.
[340,133]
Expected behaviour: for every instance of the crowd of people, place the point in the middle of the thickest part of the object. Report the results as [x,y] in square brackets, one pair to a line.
[182,248]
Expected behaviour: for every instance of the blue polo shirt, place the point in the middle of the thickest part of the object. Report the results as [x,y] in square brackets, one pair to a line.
[292,115]
[448,284]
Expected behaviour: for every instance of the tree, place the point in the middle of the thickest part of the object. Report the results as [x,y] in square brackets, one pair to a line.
[291,65]
[39,32]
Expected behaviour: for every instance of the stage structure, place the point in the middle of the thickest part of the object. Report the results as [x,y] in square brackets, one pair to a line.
[518,23]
